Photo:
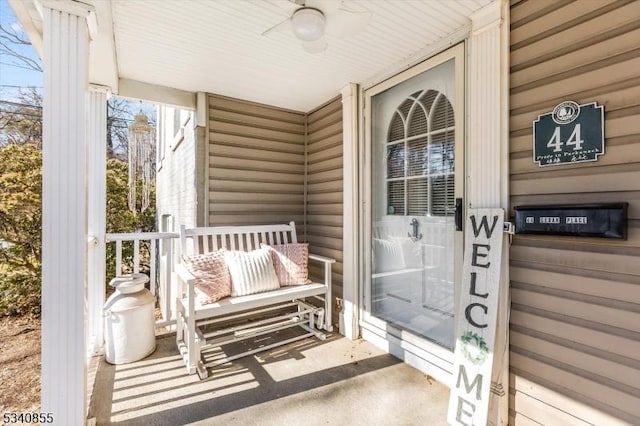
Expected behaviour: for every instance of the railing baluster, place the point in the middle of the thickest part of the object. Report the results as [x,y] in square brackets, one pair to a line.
[166,293]
[136,256]
[118,257]
[152,273]
[162,288]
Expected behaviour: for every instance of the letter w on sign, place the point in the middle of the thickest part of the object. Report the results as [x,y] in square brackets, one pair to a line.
[476,318]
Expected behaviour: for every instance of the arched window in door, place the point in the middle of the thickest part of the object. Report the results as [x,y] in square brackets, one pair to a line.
[420,156]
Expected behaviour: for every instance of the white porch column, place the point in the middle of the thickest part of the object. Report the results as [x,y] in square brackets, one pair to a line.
[96,214]
[488,161]
[64,210]
[349,313]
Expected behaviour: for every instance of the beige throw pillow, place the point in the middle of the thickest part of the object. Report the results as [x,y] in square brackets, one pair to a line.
[291,263]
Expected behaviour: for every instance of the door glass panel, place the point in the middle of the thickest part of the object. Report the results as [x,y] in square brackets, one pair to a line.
[413,230]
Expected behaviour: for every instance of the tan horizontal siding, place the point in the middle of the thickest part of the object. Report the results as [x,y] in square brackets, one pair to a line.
[617,344]
[257,197]
[325,176]
[533,400]
[577,180]
[333,197]
[256,132]
[242,217]
[258,154]
[241,118]
[334,117]
[597,287]
[583,28]
[324,137]
[324,190]
[217,173]
[545,414]
[326,154]
[236,141]
[556,19]
[575,315]
[256,163]
[234,185]
[324,220]
[323,144]
[603,396]
[268,165]
[220,103]
[324,165]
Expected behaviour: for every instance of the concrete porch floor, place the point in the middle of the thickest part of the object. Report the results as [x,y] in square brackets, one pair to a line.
[310,382]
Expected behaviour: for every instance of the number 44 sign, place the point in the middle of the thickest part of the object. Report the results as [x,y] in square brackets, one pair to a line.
[571,133]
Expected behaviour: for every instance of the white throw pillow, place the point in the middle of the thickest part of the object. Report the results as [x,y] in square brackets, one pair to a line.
[387,255]
[411,251]
[251,272]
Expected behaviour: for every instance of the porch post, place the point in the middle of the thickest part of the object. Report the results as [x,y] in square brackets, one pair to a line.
[350,305]
[64,210]
[488,160]
[96,214]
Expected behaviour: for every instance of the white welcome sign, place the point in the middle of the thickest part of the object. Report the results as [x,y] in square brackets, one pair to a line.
[476,318]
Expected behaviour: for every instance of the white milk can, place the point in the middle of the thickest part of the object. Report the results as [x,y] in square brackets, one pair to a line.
[129,320]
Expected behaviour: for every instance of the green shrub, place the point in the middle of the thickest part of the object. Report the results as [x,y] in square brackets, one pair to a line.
[20,293]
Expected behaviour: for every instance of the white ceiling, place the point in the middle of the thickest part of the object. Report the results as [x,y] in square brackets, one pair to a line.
[217,46]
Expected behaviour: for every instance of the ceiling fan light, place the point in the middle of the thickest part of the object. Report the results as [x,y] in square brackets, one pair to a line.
[308,23]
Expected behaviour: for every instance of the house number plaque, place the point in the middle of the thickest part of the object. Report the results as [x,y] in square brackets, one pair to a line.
[571,133]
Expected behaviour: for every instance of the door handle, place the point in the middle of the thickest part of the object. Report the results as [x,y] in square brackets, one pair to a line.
[458,214]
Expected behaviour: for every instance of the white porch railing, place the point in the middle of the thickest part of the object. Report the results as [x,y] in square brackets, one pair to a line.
[160,263]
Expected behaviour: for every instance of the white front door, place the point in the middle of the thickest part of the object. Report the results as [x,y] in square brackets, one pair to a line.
[415,175]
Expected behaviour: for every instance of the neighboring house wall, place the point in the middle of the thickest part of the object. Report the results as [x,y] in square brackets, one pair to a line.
[256,164]
[575,314]
[324,189]
[177,186]
[176,175]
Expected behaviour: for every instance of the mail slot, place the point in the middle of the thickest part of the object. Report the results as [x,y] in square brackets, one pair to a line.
[582,220]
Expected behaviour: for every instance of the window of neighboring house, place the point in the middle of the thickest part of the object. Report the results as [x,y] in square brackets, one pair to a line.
[420,156]
[180,120]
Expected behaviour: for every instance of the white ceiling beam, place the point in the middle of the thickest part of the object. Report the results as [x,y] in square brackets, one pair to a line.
[156,94]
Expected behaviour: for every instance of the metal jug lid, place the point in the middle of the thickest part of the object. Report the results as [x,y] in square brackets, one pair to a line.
[130,283]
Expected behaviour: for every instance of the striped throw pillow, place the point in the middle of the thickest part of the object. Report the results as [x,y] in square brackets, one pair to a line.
[251,272]
[291,263]
[213,281]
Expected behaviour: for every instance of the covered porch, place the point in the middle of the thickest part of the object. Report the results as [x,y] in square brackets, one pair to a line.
[218,62]
[336,381]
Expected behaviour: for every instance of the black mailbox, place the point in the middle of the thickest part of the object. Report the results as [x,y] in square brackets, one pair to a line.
[584,220]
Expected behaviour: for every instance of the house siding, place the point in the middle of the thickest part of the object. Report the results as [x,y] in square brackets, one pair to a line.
[256,164]
[324,203]
[176,177]
[575,313]
[268,165]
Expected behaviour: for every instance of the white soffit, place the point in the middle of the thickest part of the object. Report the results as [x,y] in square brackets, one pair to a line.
[217,46]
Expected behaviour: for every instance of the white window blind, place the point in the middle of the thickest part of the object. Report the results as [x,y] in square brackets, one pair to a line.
[420,156]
